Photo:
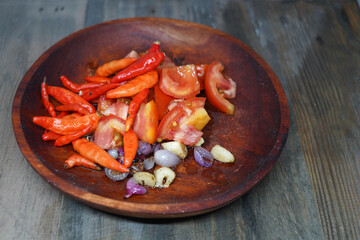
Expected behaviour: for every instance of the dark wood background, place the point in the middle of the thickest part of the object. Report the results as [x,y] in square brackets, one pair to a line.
[313,192]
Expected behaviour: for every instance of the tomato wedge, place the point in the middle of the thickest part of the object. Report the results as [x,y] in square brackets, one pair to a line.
[201,73]
[213,79]
[146,122]
[184,121]
[109,131]
[180,82]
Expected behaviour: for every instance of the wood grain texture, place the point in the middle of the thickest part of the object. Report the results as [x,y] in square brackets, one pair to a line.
[321,68]
[313,190]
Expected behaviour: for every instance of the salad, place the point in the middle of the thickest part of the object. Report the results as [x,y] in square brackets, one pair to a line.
[136,118]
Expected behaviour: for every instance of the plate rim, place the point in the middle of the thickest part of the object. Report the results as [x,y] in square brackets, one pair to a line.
[166,210]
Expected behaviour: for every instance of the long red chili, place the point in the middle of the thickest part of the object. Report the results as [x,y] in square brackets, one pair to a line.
[66,139]
[65,96]
[78,87]
[73,107]
[131,144]
[134,107]
[145,63]
[77,160]
[45,98]
[96,92]
[97,79]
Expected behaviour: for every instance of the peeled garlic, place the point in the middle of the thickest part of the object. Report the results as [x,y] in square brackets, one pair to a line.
[176,148]
[164,177]
[221,154]
[199,143]
[144,178]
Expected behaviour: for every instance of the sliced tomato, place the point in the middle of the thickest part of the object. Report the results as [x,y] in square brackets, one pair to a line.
[109,131]
[104,103]
[118,108]
[226,87]
[180,82]
[201,73]
[214,78]
[146,122]
[162,101]
[184,121]
[166,63]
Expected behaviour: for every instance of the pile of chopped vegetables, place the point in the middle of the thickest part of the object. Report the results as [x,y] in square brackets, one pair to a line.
[148,114]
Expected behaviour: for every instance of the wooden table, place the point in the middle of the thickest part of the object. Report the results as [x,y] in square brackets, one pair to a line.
[313,192]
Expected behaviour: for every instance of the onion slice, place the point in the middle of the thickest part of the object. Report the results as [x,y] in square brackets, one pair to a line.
[133,188]
[203,157]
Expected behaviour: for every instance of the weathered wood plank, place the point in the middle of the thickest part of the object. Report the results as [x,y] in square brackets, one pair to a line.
[320,59]
[29,206]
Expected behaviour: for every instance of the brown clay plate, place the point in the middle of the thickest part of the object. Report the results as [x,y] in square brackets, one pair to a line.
[255,134]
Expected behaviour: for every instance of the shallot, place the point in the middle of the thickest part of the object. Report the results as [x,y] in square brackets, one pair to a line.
[133,188]
[203,157]
[166,158]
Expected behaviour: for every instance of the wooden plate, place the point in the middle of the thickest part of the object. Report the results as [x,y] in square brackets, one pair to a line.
[255,134]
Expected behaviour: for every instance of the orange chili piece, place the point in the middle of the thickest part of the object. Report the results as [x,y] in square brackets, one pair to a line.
[98,155]
[132,87]
[114,66]
[96,92]
[65,96]
[131,144]
[65,126]
[97,79]
[145,63]
[66,139]
[45,98]
[134,107]
[73,107]
[50,135]
[77,160]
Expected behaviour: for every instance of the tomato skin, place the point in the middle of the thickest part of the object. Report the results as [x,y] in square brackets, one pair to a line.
[146,122]
[212,79]
[180,82]
[162,101]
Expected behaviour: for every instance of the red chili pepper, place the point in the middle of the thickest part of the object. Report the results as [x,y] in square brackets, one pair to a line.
[134,107]
[78,87]
[131,144]
[50,135]
[62,114]
[145,63]
[66,139]
[98,155]
[96,92]
[97,79]
[77,160]
[65,96]
[134,86]
[45,98]
[65,126]
[73,107]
